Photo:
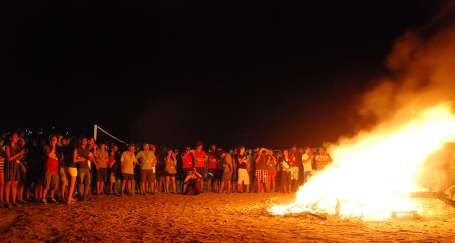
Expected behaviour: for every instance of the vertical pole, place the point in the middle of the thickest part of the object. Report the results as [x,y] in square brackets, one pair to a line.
[95,130]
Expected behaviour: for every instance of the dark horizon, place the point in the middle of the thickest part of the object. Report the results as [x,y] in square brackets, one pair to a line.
[173,73]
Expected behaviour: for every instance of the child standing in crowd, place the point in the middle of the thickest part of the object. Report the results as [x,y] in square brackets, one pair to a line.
[227,171]
[101,168]
[51,179]
[171,171]
[13,154]
[244,167]
[128,162]
[147,162]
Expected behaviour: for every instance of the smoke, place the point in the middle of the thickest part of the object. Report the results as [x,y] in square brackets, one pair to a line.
[421,71]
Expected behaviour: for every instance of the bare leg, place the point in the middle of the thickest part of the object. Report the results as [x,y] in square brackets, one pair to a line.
[7,192]
[174,185]
[13,191]
[2,185]
[143,186]
[71,191]
[20,191]
[123,186]
[166,184]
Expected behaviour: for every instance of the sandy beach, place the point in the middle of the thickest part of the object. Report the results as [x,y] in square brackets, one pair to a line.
[208,218]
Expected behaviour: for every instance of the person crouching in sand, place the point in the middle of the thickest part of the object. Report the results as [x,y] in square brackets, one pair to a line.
[192,183]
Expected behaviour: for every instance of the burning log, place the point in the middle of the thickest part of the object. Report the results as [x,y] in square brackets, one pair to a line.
[438,195]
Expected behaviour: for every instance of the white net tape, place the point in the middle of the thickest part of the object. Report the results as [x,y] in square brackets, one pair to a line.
[107,133]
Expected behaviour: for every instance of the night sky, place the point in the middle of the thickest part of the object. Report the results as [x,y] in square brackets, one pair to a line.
[173,72]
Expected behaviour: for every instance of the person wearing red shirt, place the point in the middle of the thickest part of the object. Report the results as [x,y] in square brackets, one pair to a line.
[51,177]
[200,159]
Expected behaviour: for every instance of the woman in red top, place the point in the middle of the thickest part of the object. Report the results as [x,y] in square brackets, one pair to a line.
[51,176]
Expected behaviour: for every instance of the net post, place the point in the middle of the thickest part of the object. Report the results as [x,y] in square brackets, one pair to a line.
[95,130]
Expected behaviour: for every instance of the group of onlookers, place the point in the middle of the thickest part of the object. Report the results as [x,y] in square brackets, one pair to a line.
[64,169]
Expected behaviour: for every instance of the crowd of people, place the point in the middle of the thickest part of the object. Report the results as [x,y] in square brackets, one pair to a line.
[64,169]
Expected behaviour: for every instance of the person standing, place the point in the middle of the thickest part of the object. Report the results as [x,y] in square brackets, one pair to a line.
[171,171]
[212,164]
[81,157]
[322,159]
[307,159]
[66,157]
[128,162]
[13,153]
[244,166]
[70,168]
[102,157]
[285,183]
[271,168]
[22,184]
[261,170]
[113,169]
[51,179]
[147,162]
[2,175]
[294,168]
[227,171]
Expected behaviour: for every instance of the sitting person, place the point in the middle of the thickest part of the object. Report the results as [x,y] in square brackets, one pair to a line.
[192,183]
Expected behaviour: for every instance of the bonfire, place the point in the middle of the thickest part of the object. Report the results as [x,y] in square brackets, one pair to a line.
[374,174]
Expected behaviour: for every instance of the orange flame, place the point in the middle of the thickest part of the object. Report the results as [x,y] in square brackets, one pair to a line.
[373,174]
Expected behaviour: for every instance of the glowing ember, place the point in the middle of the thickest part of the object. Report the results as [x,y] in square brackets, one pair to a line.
[373,174]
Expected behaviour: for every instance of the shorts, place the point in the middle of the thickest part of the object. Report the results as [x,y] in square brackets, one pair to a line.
[84,176]
[261,175]
[285,178]
[51,179]
[294,173]
[127,176]
[187,172]
[201,171]
[214,173]
[72,171]
[12,172]
[244,177]
[147,175]
[62,174]
[101,174]
[272,173]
